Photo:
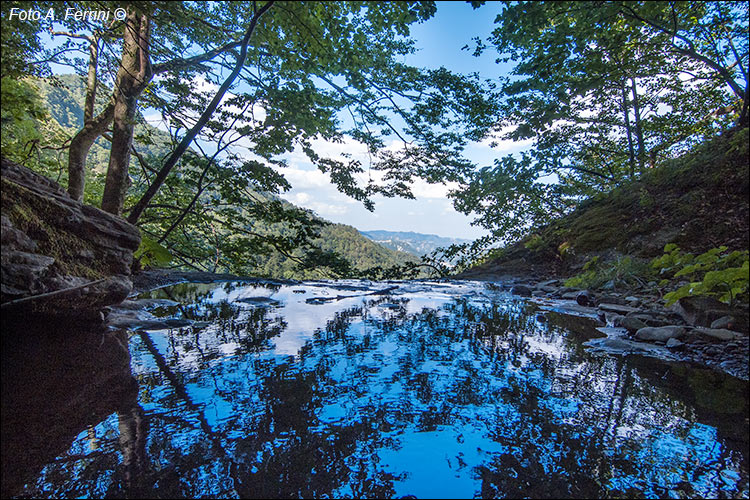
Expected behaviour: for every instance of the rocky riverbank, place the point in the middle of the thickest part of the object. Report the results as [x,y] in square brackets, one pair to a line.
[694,329]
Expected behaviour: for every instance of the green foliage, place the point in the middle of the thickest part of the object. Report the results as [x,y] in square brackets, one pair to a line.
[247,233]
[534,242]
[152,254]
[20,44]
[28,129]
[715,273]
[626,272]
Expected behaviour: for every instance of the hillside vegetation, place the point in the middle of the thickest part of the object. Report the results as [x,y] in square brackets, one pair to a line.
[698,201]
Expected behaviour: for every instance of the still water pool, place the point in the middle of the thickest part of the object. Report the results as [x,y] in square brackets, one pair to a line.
[324,389]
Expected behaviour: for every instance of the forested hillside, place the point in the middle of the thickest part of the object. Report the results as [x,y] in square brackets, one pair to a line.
[59,114]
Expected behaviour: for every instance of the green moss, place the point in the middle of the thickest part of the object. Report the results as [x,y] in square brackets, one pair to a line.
[31,213]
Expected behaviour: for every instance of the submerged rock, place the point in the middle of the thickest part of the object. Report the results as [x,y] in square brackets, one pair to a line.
[673,343]
[260,301]
[620,346]
[718,333]
[633,324]
[617,308]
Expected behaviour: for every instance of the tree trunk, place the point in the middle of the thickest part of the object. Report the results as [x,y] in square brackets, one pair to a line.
[628,129]
[82,141]
[93,128]
[638,128]
[91,80]
[742,120]
[79,150]
[133,76]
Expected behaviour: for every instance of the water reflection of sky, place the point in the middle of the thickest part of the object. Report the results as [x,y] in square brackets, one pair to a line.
[432,390]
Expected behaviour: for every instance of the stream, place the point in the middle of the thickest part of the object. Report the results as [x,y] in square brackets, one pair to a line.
[360,389]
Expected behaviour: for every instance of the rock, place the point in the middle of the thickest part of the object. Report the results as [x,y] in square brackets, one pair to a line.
[650,319]
[725,322]
[146,304]
[584,298]
[570,295]
[521,290]
[673,343]
[260,301]
[548,283]
[620,346]
[700,310]
[617,308]
[633,324]
[632,300]
[718,333]
[121,321]
[612,331]
[59,257]
[660,334]
[614,319]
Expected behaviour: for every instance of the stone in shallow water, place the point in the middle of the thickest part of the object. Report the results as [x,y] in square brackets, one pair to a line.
[673,343]
[633,324]
[620,346]
[260,301]
[585,298]
[660,334]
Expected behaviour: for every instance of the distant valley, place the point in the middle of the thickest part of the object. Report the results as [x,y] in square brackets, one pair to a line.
[410,242]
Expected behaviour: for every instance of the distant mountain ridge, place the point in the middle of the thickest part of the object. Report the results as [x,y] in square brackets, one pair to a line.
[410,242]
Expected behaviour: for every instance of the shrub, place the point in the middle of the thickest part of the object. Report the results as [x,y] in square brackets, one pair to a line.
[714,273]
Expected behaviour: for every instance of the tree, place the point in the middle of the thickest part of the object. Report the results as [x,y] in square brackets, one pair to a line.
[604,95]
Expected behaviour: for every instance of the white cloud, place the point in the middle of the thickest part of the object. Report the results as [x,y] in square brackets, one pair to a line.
[497,144]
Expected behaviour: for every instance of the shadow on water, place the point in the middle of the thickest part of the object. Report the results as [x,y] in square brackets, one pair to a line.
[418,392]
[56,385]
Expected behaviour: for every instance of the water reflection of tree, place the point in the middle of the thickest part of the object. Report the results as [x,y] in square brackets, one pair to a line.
[567,423]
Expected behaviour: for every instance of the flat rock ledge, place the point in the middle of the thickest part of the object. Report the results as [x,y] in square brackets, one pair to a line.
[59,257]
